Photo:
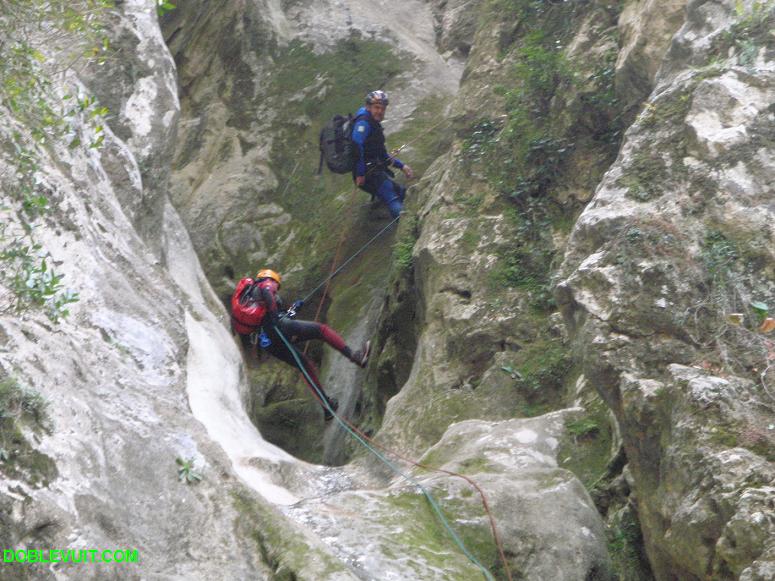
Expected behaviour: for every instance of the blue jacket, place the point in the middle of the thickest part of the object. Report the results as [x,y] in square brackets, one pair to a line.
[370,144]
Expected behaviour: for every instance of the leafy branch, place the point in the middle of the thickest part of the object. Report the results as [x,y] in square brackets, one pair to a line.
[38,37]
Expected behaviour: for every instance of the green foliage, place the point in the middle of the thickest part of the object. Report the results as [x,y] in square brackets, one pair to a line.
[19,404]
[645,176]
[582,427]
[585,449]
[480,140]
[21,407]
[404,245]
[527,154]
[402,252]
[163,7]
[603,80]
[531,155]
[544,366]
[524,9]
[535,409]
[526,264]
[523,158]
[760,309]
[751,32]
[625,546]
[471,238]
[718,255]
[30,279]
[602,105]
[186,471]
[668,109]
[37,36]
[542,68]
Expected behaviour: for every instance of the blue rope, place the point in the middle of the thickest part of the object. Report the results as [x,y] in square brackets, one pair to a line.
[388,463]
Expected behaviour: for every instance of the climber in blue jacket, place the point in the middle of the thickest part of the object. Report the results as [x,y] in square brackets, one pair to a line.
[371,172]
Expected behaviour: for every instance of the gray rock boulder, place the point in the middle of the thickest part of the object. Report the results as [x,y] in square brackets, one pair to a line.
[674,241]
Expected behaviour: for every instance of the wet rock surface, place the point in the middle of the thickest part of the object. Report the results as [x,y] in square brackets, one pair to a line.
[503,301]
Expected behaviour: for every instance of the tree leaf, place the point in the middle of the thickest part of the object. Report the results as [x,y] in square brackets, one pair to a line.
[767,326]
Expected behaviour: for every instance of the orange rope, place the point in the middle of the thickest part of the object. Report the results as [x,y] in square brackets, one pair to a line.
[468,479]
[334,262]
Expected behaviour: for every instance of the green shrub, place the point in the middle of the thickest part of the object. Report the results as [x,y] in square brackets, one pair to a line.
[404,245]
[582,427]
[37,36]
[19,404]
[186,471]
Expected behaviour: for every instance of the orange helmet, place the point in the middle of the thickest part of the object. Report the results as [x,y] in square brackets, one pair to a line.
[266,273]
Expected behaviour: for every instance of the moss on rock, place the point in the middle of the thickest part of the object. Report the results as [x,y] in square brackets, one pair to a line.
[21,410]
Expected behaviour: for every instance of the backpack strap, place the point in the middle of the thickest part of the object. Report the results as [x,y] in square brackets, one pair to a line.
[354,120]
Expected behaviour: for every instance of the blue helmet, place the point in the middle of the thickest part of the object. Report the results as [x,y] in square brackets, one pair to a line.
[377,97]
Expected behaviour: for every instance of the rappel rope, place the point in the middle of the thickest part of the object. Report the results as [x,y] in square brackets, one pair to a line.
[392,155]
[346,262]
[363,438]
[436,508]
[339,246]
[290,178]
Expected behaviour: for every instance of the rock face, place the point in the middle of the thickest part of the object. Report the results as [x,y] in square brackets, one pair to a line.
[678,237]
[570,305]
[257,84]
[120,374]
[535,502]
[646,30]
[151,390]
[142,93]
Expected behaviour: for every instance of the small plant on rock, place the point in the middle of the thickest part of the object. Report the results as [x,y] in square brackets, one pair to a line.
[186,471]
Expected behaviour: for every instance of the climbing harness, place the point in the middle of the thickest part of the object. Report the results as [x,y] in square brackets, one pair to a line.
[362,439]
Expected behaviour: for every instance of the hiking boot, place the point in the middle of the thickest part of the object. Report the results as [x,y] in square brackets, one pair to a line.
[334,403]
[361,356]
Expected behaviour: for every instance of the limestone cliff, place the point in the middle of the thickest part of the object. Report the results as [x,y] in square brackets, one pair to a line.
[569,311]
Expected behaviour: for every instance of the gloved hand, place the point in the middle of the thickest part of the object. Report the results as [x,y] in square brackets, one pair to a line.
[271,319]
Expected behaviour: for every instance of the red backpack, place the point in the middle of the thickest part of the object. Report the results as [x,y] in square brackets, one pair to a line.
[247,310]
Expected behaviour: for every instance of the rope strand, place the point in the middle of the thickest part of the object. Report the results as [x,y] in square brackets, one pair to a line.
[434,505]
[346,262]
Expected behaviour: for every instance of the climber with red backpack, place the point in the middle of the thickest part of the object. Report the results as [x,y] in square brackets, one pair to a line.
[257,315]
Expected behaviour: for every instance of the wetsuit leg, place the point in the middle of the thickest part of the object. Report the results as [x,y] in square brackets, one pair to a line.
[387,191]
[392,195]
[306,330]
